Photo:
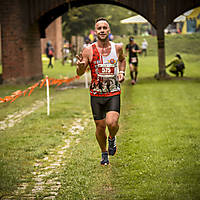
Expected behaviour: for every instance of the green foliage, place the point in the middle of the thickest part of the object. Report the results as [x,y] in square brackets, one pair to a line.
[79,21]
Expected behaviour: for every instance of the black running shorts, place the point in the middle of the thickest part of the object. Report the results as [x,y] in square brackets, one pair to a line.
[102,105]
[135,63]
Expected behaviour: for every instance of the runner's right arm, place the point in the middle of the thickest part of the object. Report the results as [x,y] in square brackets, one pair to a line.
[82,62]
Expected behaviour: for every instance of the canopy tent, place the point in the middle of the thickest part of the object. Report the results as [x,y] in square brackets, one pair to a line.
[138,19]
[180,18]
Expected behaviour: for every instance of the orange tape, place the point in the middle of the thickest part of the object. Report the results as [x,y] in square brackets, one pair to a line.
[41,83]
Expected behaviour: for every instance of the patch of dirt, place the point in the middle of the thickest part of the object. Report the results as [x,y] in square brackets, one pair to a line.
[17,117]
[46,171]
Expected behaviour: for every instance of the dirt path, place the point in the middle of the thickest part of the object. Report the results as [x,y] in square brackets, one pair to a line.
[45,177]
[17,117]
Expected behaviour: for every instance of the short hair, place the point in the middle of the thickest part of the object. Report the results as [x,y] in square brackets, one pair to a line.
[101,19]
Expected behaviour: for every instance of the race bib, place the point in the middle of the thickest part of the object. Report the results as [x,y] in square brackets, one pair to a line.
[106,70]
[133,59]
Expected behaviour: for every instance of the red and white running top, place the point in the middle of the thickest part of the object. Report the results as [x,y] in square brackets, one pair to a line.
[104,70]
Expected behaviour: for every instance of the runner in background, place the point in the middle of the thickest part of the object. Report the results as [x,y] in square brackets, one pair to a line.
[132,48]
[107,64]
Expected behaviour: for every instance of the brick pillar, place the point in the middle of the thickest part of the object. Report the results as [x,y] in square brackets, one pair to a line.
[21,50]
[54,34]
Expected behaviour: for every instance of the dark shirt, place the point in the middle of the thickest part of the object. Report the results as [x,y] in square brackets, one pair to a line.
[48,51]
[129,47]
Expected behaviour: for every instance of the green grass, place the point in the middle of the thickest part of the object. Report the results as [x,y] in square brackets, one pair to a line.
[179,43]
[59,71]
[161,129]
[158,141]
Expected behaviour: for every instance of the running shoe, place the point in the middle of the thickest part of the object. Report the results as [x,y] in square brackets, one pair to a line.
[104,160]
[112,146]
[133,82]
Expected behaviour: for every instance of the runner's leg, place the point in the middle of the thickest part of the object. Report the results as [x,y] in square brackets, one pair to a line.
[112,118]
[131,71]
[112,123]
[101,134]
[136,72]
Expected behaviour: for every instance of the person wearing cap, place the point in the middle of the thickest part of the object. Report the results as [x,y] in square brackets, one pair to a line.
[133,49]
[177,66]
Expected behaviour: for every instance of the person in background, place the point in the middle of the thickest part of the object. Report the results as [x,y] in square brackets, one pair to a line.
[132,48]
[49,53]
[111,37]
[87,43]
[65,52]
[144,47]
[91,36]
[177,66]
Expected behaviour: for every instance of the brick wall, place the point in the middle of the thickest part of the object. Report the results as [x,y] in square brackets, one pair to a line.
[20,44]
[54,34]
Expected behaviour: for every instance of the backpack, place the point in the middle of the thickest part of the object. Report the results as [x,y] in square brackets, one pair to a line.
[50,52]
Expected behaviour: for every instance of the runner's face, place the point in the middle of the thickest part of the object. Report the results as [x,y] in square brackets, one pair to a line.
[102,30]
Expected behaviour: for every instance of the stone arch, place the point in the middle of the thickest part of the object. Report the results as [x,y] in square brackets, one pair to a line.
[24,22]
[52,14]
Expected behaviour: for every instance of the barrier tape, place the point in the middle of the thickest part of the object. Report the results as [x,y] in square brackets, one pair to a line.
[40,84]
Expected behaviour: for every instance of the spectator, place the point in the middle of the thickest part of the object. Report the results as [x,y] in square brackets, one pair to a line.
[50,53]
[177,66]
[110,36]
[144,47]
[65,52]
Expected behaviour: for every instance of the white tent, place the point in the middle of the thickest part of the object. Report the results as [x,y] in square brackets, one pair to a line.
[134,20]
[180,18]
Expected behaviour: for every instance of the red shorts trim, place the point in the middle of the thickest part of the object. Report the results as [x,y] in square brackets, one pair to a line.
[106,94]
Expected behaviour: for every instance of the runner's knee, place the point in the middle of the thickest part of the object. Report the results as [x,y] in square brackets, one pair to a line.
[112,121]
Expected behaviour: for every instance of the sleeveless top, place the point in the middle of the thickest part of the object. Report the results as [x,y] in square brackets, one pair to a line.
[104,71]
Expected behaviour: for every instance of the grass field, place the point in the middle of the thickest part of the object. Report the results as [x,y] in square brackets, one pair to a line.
[158,141]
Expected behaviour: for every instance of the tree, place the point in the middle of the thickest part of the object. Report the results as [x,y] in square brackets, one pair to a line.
[79,21]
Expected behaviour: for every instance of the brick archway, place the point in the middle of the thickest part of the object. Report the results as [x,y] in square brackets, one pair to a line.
[24,23]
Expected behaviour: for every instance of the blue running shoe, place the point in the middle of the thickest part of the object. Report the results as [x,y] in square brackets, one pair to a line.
[104,160]
[112,148]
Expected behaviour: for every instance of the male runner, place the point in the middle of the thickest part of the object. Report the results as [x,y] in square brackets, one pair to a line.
[107,64]
[133,49]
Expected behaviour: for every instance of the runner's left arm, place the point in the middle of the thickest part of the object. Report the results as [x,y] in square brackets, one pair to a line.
[136,49]
[121,64]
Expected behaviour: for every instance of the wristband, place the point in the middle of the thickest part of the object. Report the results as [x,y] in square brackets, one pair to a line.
[122,72]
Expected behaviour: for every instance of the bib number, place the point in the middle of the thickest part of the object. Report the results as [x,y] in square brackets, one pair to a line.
[133,59]
[106,70]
